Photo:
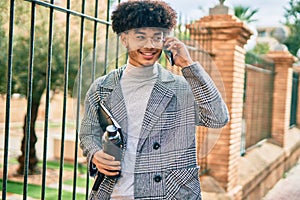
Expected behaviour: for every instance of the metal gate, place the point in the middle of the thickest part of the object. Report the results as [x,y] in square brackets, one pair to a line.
[63,33]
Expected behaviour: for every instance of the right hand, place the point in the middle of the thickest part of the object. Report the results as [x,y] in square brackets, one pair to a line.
[106,163]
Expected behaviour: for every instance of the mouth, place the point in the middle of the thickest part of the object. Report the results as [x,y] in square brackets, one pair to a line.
[148,54]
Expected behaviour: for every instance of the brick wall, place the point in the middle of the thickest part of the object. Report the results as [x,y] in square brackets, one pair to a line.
[228,38]
[251,176]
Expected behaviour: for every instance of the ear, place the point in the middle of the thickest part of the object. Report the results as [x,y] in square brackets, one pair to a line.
[124,39]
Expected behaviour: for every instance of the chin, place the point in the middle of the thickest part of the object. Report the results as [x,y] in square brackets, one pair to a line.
[146,64]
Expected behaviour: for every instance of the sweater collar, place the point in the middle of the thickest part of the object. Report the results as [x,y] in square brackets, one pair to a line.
[140,73]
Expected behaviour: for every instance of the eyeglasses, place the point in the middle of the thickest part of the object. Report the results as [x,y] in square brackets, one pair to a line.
[142,40]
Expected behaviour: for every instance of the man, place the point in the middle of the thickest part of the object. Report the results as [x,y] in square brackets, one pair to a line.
[157,110]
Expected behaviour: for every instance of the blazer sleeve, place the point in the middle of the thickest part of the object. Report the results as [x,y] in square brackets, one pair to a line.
[90,130]
[212,110]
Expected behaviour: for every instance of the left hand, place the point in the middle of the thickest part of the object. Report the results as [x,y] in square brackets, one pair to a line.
[181,55]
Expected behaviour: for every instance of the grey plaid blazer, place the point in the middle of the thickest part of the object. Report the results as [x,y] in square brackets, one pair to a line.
[166,166]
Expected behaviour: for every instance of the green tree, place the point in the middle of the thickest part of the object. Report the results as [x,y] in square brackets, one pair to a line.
[261,48]
[245,13]
[292,20]
[40,64]
[3,47]
[20,65]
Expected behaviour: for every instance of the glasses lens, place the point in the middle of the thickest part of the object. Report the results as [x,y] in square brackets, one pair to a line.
[143,36]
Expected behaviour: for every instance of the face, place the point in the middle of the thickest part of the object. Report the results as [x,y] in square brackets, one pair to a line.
[144,45]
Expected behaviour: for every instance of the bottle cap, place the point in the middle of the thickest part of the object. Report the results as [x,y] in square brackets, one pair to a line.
[111,129]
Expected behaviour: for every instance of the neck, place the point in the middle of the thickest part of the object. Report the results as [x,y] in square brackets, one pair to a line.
[140,72]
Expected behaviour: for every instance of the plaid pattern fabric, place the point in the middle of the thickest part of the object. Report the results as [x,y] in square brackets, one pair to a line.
[177,103]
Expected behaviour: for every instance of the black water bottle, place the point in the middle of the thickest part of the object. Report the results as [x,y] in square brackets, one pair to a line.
[112,143]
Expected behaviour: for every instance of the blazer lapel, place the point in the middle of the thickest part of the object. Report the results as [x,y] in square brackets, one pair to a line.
[114,100]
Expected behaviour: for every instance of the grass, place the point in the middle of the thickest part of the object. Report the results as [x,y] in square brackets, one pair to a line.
[67,166]
[81,182]
[34,191]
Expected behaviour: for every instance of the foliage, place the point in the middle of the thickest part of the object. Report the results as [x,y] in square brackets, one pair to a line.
[21,51]
[258,60]
[261,48]
[292,17]
[3,47]
[21,48]
[245,14]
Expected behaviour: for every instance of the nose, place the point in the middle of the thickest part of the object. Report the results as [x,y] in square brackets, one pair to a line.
[149,43]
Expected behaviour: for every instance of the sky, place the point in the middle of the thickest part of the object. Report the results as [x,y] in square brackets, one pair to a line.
[270,12]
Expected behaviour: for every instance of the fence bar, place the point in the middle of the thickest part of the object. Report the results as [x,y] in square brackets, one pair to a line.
[79,100]
[8,98]
[29,102]
[66,79]
[95,43]
[48,87]
[58,8]
[106,38]
[117,49]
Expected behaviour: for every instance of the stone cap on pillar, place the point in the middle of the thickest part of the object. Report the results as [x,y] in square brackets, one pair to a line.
[223,27]
[282,56]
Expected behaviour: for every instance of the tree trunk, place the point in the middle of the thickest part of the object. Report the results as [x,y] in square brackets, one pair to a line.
[32,167]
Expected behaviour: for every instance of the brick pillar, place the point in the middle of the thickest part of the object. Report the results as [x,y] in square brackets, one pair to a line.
[282,94]
[229,35]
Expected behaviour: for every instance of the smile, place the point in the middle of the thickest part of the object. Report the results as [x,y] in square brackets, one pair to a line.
[148,55]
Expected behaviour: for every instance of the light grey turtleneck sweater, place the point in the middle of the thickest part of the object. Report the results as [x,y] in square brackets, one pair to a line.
[137,84]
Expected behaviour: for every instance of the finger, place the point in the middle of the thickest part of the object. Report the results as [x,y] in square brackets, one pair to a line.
[102,161]
[174,45]
[109,169]
[101,155]
[169,40]
[109,173]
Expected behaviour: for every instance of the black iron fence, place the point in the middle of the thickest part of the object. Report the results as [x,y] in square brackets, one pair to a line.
[59,47]
[56,36]
[295,100]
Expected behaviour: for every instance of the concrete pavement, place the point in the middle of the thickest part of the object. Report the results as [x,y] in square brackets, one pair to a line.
[288,188]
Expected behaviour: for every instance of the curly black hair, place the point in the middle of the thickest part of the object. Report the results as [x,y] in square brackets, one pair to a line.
[143,13]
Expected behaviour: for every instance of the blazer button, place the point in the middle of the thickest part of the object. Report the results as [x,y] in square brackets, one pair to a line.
[157,178]
[156,145]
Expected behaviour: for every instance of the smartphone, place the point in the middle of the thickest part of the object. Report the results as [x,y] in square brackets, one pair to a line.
[169,56]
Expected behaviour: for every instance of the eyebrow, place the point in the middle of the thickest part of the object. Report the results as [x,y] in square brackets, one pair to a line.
[140,32]
[143,33]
